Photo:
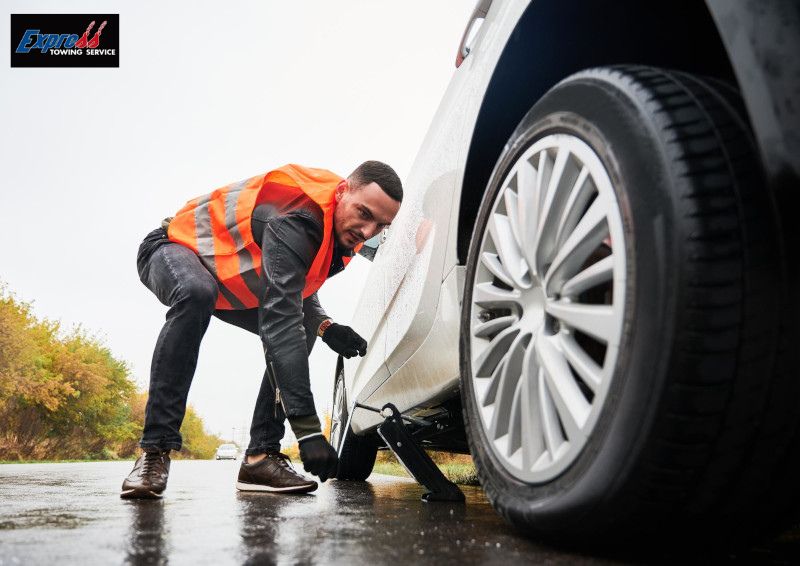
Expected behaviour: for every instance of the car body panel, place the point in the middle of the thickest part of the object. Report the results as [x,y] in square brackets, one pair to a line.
[369,321]
[480,65]
[419,252]
[431,374]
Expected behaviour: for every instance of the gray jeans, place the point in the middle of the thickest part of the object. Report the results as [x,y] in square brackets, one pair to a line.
[176,276]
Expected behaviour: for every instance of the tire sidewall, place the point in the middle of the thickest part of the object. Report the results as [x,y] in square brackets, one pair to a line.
[614,120]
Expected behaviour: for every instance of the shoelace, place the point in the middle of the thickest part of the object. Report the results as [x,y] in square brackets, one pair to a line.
[150,464]
[283,460]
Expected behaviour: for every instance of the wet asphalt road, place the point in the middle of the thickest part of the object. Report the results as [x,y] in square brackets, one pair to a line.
[72,514]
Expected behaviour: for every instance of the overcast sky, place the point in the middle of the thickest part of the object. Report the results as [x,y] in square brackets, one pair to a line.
[206,93]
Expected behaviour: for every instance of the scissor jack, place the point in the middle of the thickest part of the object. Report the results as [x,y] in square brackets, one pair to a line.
[413,458]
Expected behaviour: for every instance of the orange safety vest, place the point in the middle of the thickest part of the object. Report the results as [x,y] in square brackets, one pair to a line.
[216,227]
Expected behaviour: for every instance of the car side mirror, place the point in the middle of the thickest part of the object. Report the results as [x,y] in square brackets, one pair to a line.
[370,247]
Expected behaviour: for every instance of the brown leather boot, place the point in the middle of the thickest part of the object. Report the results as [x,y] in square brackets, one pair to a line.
[273,473]
[148,479]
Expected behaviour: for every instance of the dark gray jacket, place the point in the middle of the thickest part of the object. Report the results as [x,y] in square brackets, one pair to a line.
[290,239]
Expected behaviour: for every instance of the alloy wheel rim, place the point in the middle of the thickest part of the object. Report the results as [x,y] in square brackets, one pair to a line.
[547,306]
[336,413]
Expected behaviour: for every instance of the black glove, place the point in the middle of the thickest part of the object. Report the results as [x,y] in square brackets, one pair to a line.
[319,457]
[344,340]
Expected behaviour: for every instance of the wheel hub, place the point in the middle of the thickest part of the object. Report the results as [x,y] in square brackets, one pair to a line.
[533,300]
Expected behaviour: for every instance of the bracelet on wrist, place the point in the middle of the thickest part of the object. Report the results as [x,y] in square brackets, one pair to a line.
[324,326]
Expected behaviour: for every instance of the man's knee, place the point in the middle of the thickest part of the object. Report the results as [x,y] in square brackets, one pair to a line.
[200,294]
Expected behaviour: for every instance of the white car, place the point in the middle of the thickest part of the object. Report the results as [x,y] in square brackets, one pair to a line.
[227,452]
[587,285]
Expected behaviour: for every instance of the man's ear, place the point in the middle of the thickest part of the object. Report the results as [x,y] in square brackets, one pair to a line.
[340,189]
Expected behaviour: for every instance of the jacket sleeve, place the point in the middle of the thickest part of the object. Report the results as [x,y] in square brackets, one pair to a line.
[289,244]
[313,311]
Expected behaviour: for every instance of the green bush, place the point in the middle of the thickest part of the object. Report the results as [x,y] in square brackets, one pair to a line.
[65,396]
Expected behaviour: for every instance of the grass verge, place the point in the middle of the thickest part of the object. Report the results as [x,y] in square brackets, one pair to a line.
[462,474]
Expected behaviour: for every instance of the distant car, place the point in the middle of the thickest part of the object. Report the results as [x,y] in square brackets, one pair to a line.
[227,452]
[589,284]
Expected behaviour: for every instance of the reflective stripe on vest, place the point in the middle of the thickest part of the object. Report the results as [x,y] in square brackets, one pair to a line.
[216,226]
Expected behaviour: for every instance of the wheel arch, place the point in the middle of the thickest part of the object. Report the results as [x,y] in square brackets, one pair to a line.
[631,32]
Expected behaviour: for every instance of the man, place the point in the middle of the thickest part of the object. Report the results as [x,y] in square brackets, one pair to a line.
[254,254]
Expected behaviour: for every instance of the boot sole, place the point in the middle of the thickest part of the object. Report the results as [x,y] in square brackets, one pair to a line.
[139,494]
[244,486]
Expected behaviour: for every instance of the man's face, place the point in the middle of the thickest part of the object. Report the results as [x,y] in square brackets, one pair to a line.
[361,212]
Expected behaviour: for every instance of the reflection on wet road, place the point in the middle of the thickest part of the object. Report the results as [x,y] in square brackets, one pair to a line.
[71,513]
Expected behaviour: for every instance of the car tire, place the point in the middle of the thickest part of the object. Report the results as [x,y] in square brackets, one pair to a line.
[695,431]
[356,453]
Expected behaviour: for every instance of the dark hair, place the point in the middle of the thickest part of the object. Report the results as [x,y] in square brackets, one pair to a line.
[380,173]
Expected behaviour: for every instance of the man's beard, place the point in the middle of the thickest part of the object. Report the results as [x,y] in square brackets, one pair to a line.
[343,245]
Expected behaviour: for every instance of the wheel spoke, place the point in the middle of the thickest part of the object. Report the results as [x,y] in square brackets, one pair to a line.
[579,196]
[338,403]
[336,416]
[507,249]
[550,426]
[544,172]
[492,263]
[594,275]
[487,295]
[507,386]
[598,321]
[528,204]
[561,180]
[572,407]
[512,209]
[491,327]
[515,420]
[550,189]
[531,425]
[588,234]
[580,361]
[495,351]
[490,393]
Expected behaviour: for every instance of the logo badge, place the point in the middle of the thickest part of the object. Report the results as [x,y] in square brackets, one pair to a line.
[65,40]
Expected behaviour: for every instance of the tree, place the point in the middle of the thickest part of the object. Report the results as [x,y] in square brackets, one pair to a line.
[64,395]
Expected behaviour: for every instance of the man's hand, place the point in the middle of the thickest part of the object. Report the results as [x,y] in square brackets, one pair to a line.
[344,340]
[319,457]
